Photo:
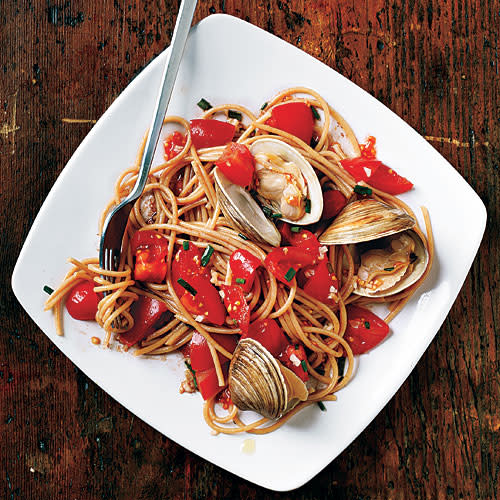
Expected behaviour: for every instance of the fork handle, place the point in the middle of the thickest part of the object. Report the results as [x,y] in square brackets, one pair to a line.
[181,31]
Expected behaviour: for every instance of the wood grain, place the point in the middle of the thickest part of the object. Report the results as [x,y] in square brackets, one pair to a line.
[435,64]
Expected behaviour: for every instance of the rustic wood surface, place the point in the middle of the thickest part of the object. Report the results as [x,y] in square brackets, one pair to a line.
[434,63]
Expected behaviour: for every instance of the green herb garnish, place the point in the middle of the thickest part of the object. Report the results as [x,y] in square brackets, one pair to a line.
[190,368]
[264,106]
[367,325]
[205,258]
[290,274]
[204,104]
[276,215]
[242,236]
[187,286]
[303,364]
[48,290]
[308,206]
[267,211]
[322,407]
[234,114]
[241,281]
[315,113]
[296,347]
[295,229]
[388,268]
[362,190]
[185,245]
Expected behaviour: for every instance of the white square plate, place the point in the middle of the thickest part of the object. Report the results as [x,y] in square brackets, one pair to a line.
[249,72]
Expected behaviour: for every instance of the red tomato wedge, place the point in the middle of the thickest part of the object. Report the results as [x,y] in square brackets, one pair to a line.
[208,382]
[364,329]
[269,334]
[333,202]
[300,238]
[237,164]
[174,144]
[284,262]
[294,357]
[199,352]
[210,133]
[185,264]
[236,305]
[295,118]
[244,266]
[148,315]
[150,249]
[360,168]
[206,304]
[322,284]
[82,301]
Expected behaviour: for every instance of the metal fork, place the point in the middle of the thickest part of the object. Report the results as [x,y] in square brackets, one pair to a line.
[116,221]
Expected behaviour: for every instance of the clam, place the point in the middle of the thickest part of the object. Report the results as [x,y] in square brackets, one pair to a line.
[258,382]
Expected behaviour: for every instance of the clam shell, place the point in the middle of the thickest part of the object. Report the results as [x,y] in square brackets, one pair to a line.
[410,278]
[243,212]
[365,220]
[258,382]
[289,153]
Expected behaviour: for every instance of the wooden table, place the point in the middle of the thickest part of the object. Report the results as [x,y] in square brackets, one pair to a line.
[433,63]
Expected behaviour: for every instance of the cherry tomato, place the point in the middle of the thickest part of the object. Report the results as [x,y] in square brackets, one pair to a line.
[360,168]
[333,202]
[149,314]
[236,305]
[294,357]
[364,329]
[206,304]
[295,118]
[386,179]
[321,283]
[237,164]
[208,382]
[210,133]
[150,249]
[185,264]
[269,334]
[300,238]
[199,352]
[174,144]
[82,301]
[280,260]
[244,266]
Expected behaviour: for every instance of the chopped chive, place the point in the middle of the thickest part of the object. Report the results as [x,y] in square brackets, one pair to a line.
[296,347]
[190,368]
[264,106]
[48,290]
[388,268]
[303,364]
[207,254]
[267,211]
[242,236]
[308,206]
[362,190]
[204,104]
[322,407]
[367,325]
[234,114]
[185,245]
[315,113]
[290,274]
[295,229]
[241,281]
[277,215]
[187,286]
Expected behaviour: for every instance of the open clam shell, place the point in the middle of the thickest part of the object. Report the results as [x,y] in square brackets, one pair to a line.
[244,212]
[258,382]
[365,220]
[412,274]
[286,153]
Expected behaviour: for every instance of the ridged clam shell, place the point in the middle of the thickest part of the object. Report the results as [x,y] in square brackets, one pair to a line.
[365,220]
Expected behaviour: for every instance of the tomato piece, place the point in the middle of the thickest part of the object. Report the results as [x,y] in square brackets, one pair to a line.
[174,144]
[364,329]
[210,133]
[237,164]
[236,305]
[206,304]
[149,314]
[360,168]
[224,398]
[208,382]
[333,202]
[388,180]
[199,351]
[244,266]
[82,301]
[269,334]
[368,148]
[322,284]
[300,238]
[295,118]
[294,357]
[150,249]
[185,264]
[280,260]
